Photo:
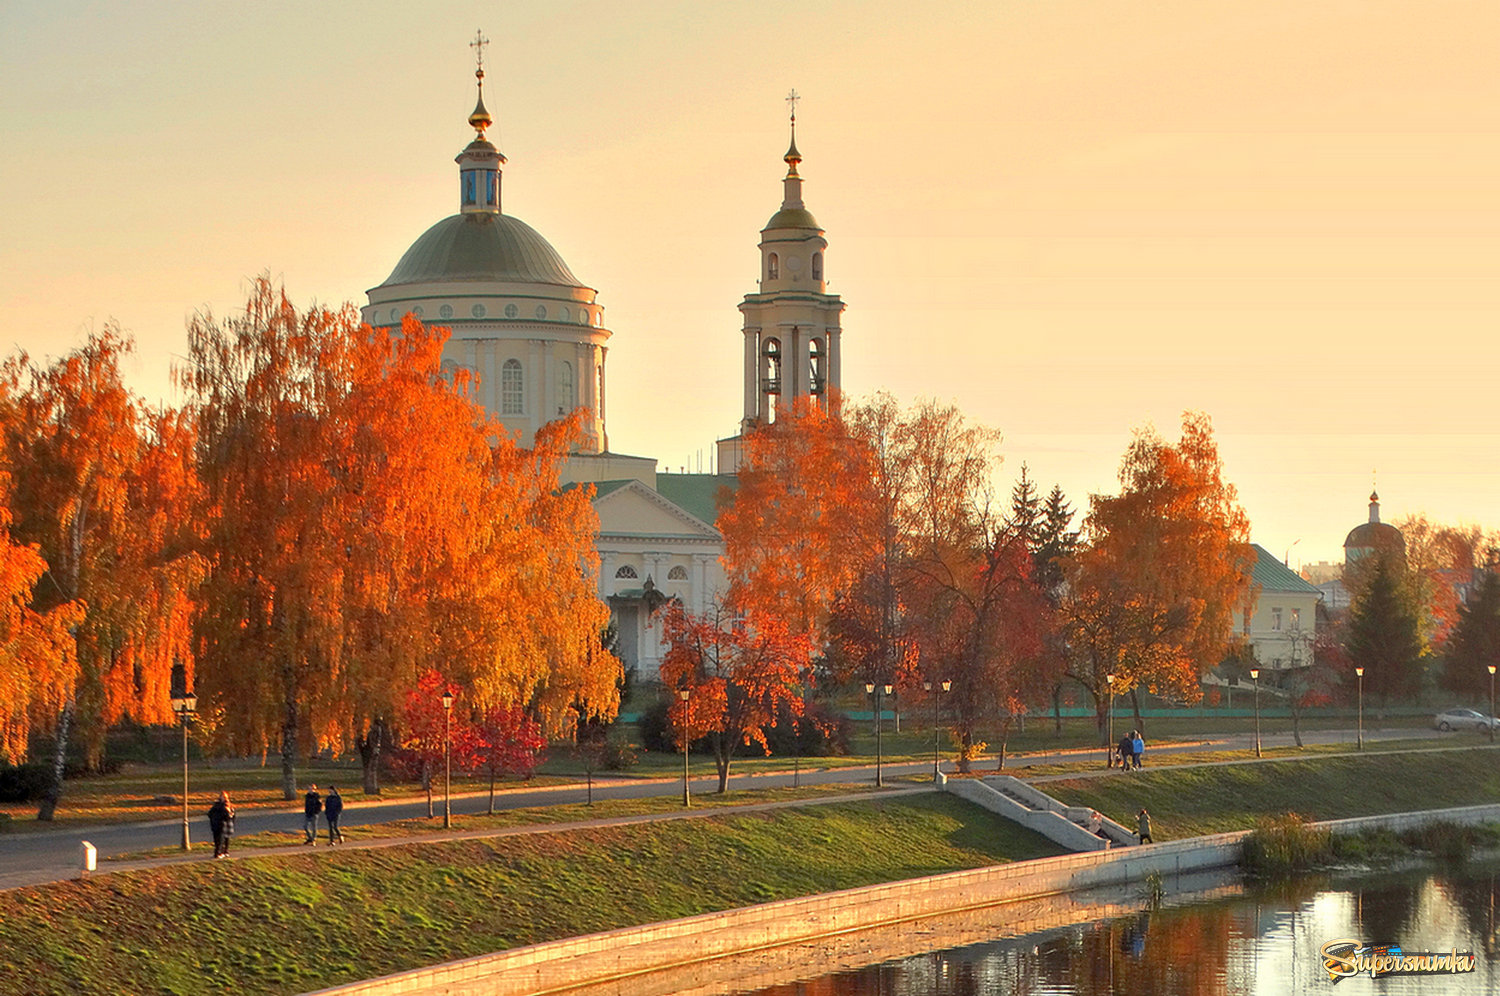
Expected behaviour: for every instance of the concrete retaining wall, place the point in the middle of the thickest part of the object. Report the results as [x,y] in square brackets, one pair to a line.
[556,965]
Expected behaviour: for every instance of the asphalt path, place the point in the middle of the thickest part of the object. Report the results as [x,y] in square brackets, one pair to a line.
[39,858]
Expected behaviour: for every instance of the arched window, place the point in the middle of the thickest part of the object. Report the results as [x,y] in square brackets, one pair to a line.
[566,399]
[773,267]
[815,366]
[817,266]
[626,572]
[771,366]
[512,389]
[678,573]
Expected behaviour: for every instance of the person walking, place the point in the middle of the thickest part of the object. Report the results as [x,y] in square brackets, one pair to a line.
[333,808]
[1137,747]
[221,822]
[1143,826]
[1124,750]
[312,805]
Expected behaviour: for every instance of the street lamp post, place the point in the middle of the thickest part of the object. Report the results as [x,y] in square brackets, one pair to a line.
[937,708]
[1255,677]
[873,689]
[1359,673]
[184,706]
[447,766]
[1491,723]
[1109,736]
[683,694]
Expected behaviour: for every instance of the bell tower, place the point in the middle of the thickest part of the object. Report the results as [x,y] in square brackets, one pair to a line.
[791,325]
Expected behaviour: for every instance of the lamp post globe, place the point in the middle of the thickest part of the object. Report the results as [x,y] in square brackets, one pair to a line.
[1491,723]
[447,767]
[184,706]
[1359,674]
[1255,677]
[683,694]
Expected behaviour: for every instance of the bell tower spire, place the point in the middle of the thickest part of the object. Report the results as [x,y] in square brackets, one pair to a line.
[793,340]
[479,163]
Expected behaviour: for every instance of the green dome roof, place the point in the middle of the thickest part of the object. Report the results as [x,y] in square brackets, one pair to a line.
[793,218]
[481,246]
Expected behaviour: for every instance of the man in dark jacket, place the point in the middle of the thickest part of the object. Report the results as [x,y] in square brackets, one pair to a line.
[1125,750]
[312,805]
[333,808]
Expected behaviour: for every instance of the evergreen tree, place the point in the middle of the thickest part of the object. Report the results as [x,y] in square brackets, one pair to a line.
[1025,510]
[1055,543]
[1385,635]
[1475,643]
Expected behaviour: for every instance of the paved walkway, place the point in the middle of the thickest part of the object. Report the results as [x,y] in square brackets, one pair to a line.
[39,858]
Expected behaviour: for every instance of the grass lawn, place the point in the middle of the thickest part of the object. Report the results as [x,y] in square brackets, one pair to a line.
[1095,761]
[290,924]
[1184,802]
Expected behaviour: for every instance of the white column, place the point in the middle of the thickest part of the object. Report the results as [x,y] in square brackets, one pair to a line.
[752,373]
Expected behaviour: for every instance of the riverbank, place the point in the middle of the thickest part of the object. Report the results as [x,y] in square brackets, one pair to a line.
[295,923]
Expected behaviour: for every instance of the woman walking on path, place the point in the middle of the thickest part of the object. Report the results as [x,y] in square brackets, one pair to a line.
[221,822]
[1137,747]
[333,807]
[1143,826]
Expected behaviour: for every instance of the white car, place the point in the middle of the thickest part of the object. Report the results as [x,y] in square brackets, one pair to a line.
[1464,719]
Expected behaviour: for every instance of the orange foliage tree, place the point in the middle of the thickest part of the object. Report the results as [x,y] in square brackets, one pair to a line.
[798,519]
[37,665]
[739,672]
[95,476]
[368,523]
[1166,563]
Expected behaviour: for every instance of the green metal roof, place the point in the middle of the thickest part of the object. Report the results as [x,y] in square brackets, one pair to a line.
[696,494]
[1272,575]
[602,488]
[479,246]
[792,218]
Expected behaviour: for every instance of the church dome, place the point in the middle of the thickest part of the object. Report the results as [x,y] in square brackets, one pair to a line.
[1374,535]
[481,246]
[795,217]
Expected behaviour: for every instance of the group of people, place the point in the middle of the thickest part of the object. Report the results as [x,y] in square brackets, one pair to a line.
[332,808]
[1130,749]
[1095,825]
[221,818]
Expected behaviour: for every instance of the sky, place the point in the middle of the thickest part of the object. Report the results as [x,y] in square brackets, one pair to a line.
[1071,218]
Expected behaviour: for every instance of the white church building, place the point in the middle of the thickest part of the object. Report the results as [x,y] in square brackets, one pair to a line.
[534,335]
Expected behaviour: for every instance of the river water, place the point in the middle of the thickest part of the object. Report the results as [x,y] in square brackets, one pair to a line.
[1201,938]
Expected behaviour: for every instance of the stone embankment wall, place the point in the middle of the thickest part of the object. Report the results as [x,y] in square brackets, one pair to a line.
[556,965]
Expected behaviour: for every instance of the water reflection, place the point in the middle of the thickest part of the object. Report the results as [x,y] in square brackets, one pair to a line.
[1265,941]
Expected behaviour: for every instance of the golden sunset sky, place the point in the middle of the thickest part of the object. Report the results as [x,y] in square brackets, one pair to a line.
[1069,217]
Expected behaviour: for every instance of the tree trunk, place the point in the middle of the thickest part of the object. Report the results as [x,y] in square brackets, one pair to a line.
[492,790]
[289,752]
[965,748]
[1296,721]
[369,755]
[1057,710]
[1135,707]
[48,807]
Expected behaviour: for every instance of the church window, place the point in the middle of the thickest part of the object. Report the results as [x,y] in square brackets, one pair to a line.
[678,573]
[817,266]
[491,188]
[773,267]
[446,311]
[562,314]
[511,311]
[566,401]
[417,311]
[541,311]
[512,398]
[771,366]
[471,193]
[477,311]
[626,572]
[815,366]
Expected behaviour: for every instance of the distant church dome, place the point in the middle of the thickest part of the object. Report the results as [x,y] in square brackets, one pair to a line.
[482,246]
[1373,536]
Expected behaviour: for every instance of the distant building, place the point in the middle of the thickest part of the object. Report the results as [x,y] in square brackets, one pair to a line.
[1323,570]
[1281,624]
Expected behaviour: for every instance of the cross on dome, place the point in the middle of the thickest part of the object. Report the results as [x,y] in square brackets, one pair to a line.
[478,44]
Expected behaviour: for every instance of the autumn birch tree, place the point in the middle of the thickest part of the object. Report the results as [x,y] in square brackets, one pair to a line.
[1166,563]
